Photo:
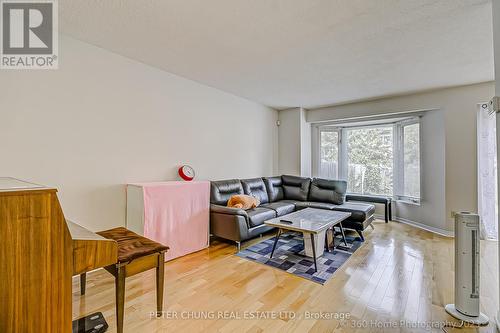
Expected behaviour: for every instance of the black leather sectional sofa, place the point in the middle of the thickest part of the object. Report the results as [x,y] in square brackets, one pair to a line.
[279,196]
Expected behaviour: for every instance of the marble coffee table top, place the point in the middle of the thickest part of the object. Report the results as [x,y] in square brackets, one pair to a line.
[310,220]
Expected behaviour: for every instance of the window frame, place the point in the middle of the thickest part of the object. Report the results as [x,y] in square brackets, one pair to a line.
[398,152]
[399,187]
[339,140]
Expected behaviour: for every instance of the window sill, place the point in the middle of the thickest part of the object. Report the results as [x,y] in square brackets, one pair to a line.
[408,202]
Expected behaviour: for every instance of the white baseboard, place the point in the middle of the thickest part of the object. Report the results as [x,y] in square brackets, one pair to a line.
[419,225]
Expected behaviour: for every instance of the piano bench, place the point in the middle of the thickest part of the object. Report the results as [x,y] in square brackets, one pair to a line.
[136,254]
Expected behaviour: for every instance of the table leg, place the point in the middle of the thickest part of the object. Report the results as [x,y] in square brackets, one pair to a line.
[83,283]
[314,253]
[386,212]
[160,278]
[275,242]
[120,297]
[343,234]
[333,238]
[329,239]
[390,211]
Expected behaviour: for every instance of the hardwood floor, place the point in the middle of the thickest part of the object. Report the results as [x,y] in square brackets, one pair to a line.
[400,274]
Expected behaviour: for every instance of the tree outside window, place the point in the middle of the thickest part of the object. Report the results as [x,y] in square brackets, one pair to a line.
[370,160]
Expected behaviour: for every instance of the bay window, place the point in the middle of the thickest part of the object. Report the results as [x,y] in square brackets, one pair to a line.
[370,160]
[329,153]
[375,159]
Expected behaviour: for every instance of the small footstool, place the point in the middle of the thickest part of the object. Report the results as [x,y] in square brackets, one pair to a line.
[136,254]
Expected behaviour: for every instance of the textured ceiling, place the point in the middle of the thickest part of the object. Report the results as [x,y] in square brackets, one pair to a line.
[288,53]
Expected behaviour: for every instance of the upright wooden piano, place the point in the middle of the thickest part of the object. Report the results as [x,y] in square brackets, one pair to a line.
[39,253]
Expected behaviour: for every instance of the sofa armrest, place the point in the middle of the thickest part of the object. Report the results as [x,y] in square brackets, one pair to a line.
[228,226]
[227,210]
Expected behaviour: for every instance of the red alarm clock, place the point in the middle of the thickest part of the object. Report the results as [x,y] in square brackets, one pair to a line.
[186,172]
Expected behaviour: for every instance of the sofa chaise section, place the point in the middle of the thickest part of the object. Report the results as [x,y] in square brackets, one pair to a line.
[333,192]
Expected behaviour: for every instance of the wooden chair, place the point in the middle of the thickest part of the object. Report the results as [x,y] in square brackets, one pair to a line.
[136,254]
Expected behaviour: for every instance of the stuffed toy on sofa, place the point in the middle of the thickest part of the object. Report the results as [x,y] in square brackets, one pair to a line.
[243,201]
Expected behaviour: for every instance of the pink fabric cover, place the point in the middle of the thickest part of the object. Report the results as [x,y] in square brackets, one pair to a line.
[176,214]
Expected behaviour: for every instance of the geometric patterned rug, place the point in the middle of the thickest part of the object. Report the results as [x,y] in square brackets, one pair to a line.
[289,256]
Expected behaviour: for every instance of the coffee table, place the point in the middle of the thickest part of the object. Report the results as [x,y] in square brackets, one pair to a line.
[313,224]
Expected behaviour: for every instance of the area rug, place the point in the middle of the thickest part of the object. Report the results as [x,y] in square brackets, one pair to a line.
[289,256]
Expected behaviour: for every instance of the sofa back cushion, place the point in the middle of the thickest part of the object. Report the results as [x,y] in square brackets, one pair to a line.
[256,188]
[295,188]
[274,187]
[325,190]
[222,190]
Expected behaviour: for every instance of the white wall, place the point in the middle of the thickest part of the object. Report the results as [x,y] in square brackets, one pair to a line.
[103,120]
[295,143]
[289,141]
[450,133]
[432,210]
[305,145]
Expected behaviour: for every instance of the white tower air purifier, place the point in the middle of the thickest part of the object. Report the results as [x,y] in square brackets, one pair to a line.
[466,305]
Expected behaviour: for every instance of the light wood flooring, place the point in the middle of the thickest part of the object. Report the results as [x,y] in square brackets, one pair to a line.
[399,274]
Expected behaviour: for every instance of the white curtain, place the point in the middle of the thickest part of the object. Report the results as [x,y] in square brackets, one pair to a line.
[487,172]
[329,170]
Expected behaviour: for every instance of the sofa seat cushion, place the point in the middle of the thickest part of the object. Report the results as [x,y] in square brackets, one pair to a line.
[359,211]
[313,204]
[281,208]
[257,216]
